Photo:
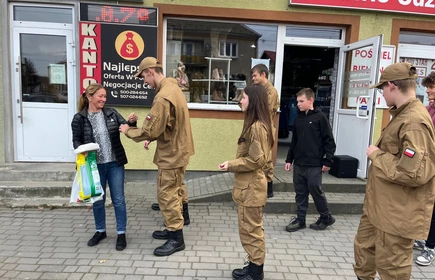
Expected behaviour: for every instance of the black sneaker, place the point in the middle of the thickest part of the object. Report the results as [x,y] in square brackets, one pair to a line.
[121,243]
[295,225]
[155,206]
[322,223]
[98,236]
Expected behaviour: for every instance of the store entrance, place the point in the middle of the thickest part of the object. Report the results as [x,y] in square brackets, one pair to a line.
[304,67]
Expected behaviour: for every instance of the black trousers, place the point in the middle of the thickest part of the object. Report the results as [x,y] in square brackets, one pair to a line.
[430,242]
[307,180]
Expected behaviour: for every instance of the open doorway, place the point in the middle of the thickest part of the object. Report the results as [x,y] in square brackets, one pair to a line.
[303,67]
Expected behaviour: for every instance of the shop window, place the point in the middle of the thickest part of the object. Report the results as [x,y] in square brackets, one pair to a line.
[314,32]
[417,38]
[227,49]
[424,67]
[43,14]
[419,50]
[212,61]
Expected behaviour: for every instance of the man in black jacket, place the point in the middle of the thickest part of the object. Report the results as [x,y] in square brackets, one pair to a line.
[310,152]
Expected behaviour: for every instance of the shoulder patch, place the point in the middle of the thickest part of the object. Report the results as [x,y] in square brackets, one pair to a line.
[148,118]
[409,153]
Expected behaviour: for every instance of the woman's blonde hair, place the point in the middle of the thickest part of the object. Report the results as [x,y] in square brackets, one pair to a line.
[90,90]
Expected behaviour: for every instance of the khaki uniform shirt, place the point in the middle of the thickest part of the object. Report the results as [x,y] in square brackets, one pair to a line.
[168,122]
[400,186]
[249,181]
[272,96]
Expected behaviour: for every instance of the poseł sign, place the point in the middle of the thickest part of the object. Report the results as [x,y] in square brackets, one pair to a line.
[425,7]
[361,60]
[113,41]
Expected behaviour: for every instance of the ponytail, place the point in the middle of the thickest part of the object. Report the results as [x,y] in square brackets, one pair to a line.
[90,91]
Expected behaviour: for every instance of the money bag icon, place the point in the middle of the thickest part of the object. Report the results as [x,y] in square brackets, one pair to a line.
[129,48]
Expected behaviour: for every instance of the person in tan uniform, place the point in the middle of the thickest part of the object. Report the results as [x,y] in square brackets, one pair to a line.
[184,199]
[400,187]
[260,75]
[250,191]
[168,123]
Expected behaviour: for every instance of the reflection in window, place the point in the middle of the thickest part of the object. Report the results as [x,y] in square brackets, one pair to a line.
[417,38]
[43,14]
[212,60]
[227,49]
[43,68]
[313,32]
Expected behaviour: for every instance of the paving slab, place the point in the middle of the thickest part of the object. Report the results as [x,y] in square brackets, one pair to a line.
[45,243]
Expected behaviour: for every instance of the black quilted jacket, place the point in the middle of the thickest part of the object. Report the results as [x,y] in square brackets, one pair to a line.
[82,131]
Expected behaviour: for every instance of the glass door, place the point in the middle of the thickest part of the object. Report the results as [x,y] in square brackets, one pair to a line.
[355,102]
[43,94]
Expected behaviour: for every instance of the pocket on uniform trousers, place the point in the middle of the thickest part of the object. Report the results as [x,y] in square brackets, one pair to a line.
[167,182]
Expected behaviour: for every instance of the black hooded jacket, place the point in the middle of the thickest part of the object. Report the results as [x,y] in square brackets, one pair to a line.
[312,141]
[82,131]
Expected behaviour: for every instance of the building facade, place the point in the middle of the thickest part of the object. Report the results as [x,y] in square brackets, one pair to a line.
[50,51]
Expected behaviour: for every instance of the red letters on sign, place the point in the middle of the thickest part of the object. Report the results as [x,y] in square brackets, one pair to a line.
[426,7]
[90,54]
[386,55]
[363,53]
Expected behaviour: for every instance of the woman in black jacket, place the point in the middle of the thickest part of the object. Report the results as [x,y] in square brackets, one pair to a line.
[96,124]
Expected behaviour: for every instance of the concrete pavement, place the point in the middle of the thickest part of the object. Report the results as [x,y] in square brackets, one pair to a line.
[39,243]
[50,185]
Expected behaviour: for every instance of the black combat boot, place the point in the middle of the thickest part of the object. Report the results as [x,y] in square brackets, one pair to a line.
[174,244]
[186,214]
[240,272]
[269,189]
[161,234]
[253,272]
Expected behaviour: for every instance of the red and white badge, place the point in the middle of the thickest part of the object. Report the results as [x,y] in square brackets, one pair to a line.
[409,153]
[148,118]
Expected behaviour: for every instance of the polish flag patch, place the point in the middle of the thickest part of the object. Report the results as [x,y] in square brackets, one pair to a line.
[409,153]
[148,118]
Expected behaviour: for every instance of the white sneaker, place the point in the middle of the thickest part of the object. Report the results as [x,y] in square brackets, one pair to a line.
[426,257]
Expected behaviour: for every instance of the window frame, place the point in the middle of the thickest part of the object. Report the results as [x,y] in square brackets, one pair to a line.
[231,44]
[281,41]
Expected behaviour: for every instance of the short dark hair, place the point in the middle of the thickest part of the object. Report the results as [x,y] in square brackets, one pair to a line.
[309,93]
[158,70]
[260,68]
[406,84]
[429,80]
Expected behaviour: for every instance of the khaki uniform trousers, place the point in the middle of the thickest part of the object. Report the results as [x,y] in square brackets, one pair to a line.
[251,233]
[376,250]
[169,197]
[183,190]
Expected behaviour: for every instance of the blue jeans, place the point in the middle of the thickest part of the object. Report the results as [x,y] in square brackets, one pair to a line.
[114,174]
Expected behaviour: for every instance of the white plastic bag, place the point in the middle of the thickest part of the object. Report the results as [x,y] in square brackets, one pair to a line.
[75,197]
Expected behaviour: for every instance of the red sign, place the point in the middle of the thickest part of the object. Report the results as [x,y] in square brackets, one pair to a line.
[90,54]
[426,7]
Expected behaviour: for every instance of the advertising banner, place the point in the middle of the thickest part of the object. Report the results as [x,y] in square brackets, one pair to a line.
[361,60]
[113,41]
[425,7]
